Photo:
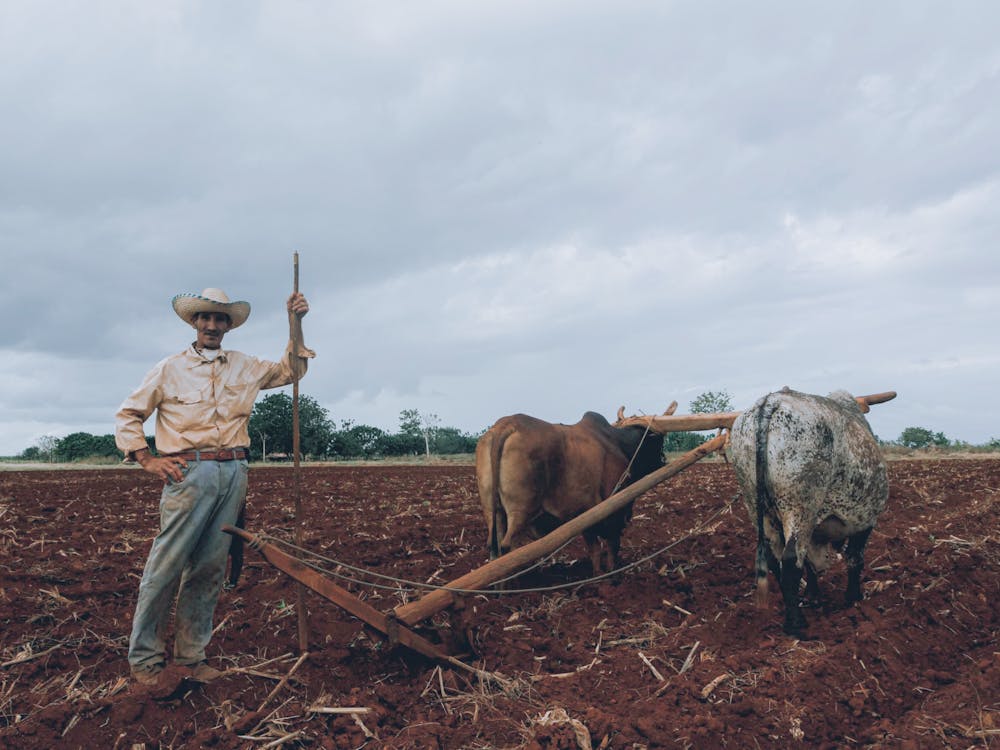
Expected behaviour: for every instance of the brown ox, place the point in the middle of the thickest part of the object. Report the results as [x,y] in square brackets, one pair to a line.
[534,475]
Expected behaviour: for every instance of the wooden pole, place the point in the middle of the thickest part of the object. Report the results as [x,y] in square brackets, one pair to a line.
[300,604]
[513,561]
[681,422]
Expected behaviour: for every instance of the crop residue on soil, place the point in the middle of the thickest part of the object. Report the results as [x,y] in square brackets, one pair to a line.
[670,654]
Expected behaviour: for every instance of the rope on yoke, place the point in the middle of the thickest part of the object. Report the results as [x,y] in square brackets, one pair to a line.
[628,468]
[402,584]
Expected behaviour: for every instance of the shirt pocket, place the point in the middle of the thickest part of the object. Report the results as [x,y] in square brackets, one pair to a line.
[188,397]
[236,401]
[185,410]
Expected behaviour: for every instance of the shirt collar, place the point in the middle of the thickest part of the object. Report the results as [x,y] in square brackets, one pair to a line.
[194,358]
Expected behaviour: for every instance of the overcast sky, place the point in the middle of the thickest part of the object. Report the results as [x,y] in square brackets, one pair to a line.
[540,207]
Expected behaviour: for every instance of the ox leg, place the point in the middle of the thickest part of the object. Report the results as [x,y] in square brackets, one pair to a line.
[812,584]
[498,531]
[594,551]
[518,531]
[791,577]
[614,545]
[854,557]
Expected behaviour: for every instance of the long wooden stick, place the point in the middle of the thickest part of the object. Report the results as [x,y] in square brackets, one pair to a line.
[521,557]
[300,604]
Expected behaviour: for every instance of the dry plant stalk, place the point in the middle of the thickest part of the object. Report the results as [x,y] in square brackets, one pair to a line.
[282,740]
[648,663]
[27,655]
[559,716]
[690,658]
[564,675]
[711,686]
[284,681]
[338,710]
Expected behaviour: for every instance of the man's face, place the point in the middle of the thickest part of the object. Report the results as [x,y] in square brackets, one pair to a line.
[211,327]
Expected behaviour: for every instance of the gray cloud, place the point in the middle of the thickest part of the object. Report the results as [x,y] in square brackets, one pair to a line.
[506,207]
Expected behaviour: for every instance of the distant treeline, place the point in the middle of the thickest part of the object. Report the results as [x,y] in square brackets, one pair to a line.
[271,431]
[419,434]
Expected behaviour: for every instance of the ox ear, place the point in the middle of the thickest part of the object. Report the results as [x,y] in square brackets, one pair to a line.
[621,412]
[670,409]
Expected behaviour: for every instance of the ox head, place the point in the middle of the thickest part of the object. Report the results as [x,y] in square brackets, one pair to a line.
[639,440]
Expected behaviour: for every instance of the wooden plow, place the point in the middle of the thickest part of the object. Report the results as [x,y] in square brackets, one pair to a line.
[396,625]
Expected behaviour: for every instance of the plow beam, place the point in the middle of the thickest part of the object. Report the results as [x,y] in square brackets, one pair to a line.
[506,565]
[387,625]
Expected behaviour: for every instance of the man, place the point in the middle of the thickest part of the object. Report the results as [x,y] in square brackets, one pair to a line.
[203,397]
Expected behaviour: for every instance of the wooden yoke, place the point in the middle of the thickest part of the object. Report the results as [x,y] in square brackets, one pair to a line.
[519,558]
[681,422]
[720,420]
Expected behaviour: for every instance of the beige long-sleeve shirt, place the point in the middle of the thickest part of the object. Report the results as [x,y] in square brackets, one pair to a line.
[200,404]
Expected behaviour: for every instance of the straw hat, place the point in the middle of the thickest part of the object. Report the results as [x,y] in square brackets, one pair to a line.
[210,300]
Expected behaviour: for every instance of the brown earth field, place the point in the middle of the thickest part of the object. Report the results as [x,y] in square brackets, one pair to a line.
[670,653]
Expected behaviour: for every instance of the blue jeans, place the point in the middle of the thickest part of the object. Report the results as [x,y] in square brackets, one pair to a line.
[187,562]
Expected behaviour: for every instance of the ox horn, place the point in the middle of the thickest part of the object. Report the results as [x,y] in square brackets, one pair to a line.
[865,402]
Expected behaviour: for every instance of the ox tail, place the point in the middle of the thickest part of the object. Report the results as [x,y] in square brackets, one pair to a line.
[499,514]
[764,500]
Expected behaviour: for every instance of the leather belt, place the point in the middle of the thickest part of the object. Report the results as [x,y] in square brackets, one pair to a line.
[227,454]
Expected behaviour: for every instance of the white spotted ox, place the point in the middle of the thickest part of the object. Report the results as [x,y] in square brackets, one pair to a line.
[814,482]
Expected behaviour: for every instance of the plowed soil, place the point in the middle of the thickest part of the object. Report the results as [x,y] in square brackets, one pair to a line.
[670,653]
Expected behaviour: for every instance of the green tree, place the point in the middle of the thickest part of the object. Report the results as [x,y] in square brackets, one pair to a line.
[75,446]
[916,437]
[78,446]
[449,440]
[709,402]
[712,402]
[400,444]
[271,426]
[358,441]
[47,445]
[410,422]
[104,445]
[681,442]
[418,424]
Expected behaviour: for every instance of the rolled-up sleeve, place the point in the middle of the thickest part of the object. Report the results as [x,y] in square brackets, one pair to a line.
[292,366]
[135,410]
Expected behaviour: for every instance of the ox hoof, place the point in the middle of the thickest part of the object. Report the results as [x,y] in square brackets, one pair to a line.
[795,623]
